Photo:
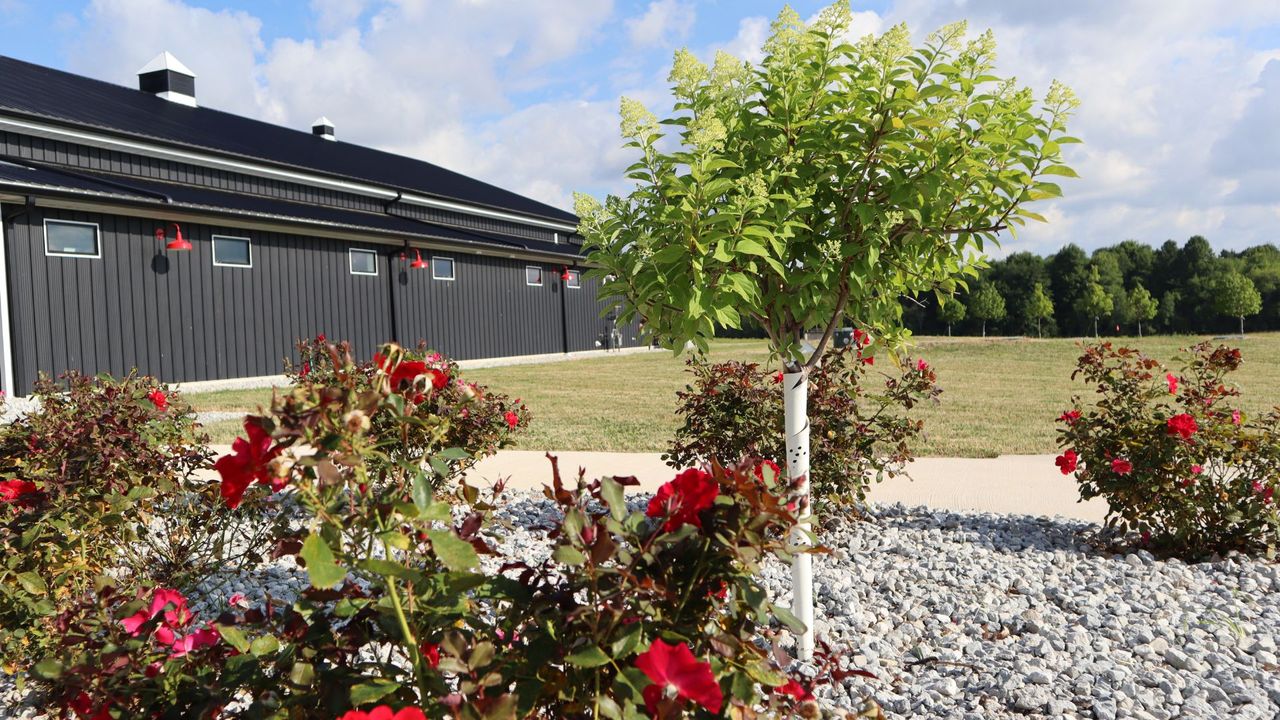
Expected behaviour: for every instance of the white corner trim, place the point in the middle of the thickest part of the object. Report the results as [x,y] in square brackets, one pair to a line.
[109,142]
[6,341]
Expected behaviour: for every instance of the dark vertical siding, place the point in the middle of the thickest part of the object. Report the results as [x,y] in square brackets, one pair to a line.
[174,314]
[486,311]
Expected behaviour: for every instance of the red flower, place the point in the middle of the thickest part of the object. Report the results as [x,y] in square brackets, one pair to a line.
[83,707]
[777,378]
[1173,382]
[795,690]
[1069,417]
[673,668]
[384,712]
[1120,466]
[1196,469]
[1067,462]
[320,337]
[430,653]
[869,360]
[158,398]
[680,500]
[860,339]
[759,469]
[1235,417]
[306,369]
[17,492]
[921,365]
[1182,425]
[250,460]
[512,419]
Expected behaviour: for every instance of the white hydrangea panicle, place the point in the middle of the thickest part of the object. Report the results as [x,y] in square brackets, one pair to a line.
[637,122]
[688,73]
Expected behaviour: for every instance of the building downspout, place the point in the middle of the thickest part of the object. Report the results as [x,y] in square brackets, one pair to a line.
[392,279]
[564,315]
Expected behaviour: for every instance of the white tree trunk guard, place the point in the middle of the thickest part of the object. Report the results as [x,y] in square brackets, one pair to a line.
[796,423]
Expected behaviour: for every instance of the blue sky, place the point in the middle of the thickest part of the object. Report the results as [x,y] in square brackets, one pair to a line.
[1180,115]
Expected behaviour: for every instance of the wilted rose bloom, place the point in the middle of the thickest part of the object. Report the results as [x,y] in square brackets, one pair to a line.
[356,421]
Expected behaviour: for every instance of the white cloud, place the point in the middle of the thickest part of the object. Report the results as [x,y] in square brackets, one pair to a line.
[664,22]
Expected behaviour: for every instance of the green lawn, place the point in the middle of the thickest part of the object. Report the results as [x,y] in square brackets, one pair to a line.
[999,396]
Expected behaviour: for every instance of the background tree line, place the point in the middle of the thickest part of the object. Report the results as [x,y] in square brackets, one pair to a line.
[1141,289]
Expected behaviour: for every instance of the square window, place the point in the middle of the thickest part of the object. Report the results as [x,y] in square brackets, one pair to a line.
[441,268]
[533,275]
[72,239]
[364,262]
[231,251]
[573,279]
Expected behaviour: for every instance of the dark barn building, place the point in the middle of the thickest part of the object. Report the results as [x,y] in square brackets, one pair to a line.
[284,234]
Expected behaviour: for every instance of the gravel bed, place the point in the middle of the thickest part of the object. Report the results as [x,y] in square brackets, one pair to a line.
[977,616]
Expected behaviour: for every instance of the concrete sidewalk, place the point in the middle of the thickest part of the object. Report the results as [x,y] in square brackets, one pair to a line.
[1023,484]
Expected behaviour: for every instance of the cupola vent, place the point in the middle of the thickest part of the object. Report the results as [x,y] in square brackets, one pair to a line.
[165,76]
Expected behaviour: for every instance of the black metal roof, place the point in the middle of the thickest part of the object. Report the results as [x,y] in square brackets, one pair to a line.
[43,179]
[34,90]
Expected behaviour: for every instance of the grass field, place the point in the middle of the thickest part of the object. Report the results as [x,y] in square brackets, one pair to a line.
[999,396]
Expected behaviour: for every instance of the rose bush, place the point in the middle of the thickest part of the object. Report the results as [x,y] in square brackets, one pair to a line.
[733,410]
[450,412]
[1179,464]
[655,610]
[86,475]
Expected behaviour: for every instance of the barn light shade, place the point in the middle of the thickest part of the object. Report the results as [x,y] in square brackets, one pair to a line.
[178,242]
[418,263]
[564,273]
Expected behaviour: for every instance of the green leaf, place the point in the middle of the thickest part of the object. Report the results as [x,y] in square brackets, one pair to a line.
[321,568]
[1062,170]
[234,637]
[265,645]
[48,669]
[302,674]
[589,657]
[421,492]
[32,583]
[615,496]
[751,247]
[372,691]
[456,553]
[568,555]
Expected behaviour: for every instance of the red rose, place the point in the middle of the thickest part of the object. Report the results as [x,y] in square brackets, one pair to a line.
[869,360]
[384,712]
[673,669]
[1173,383]
[1120,466]
[512,419]
[1235,417]
[430,653]
[921,365]
[1067,462]
[249,460]
[759,469]
[158,398]
[306,369]
[18,492]
[795,690]
[1182,425]
[777,378]
[680,500]
[1070,417]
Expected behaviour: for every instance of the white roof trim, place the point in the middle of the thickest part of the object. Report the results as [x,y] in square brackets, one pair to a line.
[166,61]
[86,137]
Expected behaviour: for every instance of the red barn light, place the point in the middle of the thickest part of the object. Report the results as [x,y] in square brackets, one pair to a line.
[178,242]
[418,263]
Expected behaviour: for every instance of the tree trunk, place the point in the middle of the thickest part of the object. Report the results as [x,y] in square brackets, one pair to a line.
[1095,328]
[796,422]
[984,328]
[1038,333]
[948,329]
[1139,328]
[1241,326]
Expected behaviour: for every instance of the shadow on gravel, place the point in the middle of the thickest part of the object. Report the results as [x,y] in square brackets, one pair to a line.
[996,532]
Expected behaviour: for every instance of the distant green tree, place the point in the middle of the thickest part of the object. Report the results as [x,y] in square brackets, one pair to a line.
[951,311]
[1095,302]
[1069,270]
[1168,313]
[1038,307]
[1235,295]
[1142,306]
[987,303]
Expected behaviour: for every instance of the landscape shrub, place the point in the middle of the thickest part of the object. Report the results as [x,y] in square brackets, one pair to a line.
[81,477]
[654,610]
[455,414]
[1180,465]
[733,410]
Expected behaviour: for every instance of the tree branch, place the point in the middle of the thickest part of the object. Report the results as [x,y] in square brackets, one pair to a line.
[831,324]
